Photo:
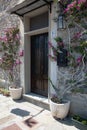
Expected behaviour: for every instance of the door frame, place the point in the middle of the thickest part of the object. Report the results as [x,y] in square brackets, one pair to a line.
[27,48]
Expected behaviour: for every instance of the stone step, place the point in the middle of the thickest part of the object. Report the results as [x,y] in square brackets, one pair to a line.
[37,100]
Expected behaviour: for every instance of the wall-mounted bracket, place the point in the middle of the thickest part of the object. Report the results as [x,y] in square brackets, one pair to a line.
[48,3]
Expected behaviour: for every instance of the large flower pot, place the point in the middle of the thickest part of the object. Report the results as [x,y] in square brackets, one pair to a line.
[59,110]
[15,93]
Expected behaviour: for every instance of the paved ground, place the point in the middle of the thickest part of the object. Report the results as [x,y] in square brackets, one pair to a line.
[27,116]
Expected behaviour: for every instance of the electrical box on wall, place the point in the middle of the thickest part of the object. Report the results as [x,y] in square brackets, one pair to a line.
[62,60]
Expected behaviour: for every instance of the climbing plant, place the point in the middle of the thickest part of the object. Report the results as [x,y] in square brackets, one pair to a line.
[74,75]
[10,60]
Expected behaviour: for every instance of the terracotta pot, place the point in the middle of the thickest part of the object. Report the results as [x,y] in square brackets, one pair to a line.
[59,110]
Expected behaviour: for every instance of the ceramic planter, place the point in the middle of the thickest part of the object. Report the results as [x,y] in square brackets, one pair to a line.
[59,110]
[15,93]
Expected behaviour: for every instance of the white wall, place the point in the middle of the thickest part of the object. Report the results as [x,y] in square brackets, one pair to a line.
[52,64]
[22,58]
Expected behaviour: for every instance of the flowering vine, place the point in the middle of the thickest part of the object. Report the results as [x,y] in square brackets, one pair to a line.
[75,74]
[10,60]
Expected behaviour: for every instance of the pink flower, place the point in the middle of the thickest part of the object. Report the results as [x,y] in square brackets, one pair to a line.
[79,59]
[78,7]
[18,62]
[66,10]
[81,1]
[73,4]
[1,60]
[21,53]
[50,44]
[4,39]
[77,35]
[70,6]
[17,36]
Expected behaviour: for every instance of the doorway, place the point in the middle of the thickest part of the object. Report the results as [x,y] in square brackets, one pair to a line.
[39,64]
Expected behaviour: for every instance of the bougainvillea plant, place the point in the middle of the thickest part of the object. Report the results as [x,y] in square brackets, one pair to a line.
[74,76]
[76,12]
[10,60]
[56,50]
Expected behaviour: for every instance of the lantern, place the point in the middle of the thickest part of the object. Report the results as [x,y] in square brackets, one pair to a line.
[60,22]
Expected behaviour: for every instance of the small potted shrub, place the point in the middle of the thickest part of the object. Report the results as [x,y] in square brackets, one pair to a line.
[10,61]
[58,105]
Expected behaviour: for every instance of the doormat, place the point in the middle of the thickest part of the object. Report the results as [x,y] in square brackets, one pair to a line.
[30,122]
[12,127]
[6,119]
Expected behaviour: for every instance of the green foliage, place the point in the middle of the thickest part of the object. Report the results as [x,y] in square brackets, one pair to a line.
[80,119]
[4,91]
[77,90]
[53,86]
[58,39]
[84,122]
[71,25]
[55,98]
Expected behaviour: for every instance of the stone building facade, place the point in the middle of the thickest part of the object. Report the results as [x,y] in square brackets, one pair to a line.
[7,20]
[78,101]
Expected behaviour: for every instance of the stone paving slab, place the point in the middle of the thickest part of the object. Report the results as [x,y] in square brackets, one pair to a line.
[18,111]
[7,118]
[12,127]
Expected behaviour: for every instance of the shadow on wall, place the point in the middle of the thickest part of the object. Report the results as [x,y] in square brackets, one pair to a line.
[20,112]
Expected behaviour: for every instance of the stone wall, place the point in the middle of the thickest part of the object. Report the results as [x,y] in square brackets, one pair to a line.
[7,20]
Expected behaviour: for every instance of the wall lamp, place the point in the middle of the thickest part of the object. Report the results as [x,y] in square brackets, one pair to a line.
[60,22]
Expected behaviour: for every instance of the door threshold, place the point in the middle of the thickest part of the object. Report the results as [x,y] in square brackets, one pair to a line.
[37,100]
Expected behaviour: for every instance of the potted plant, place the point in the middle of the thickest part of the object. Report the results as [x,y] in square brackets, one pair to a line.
[10,61]
[59,107]
[72,70]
